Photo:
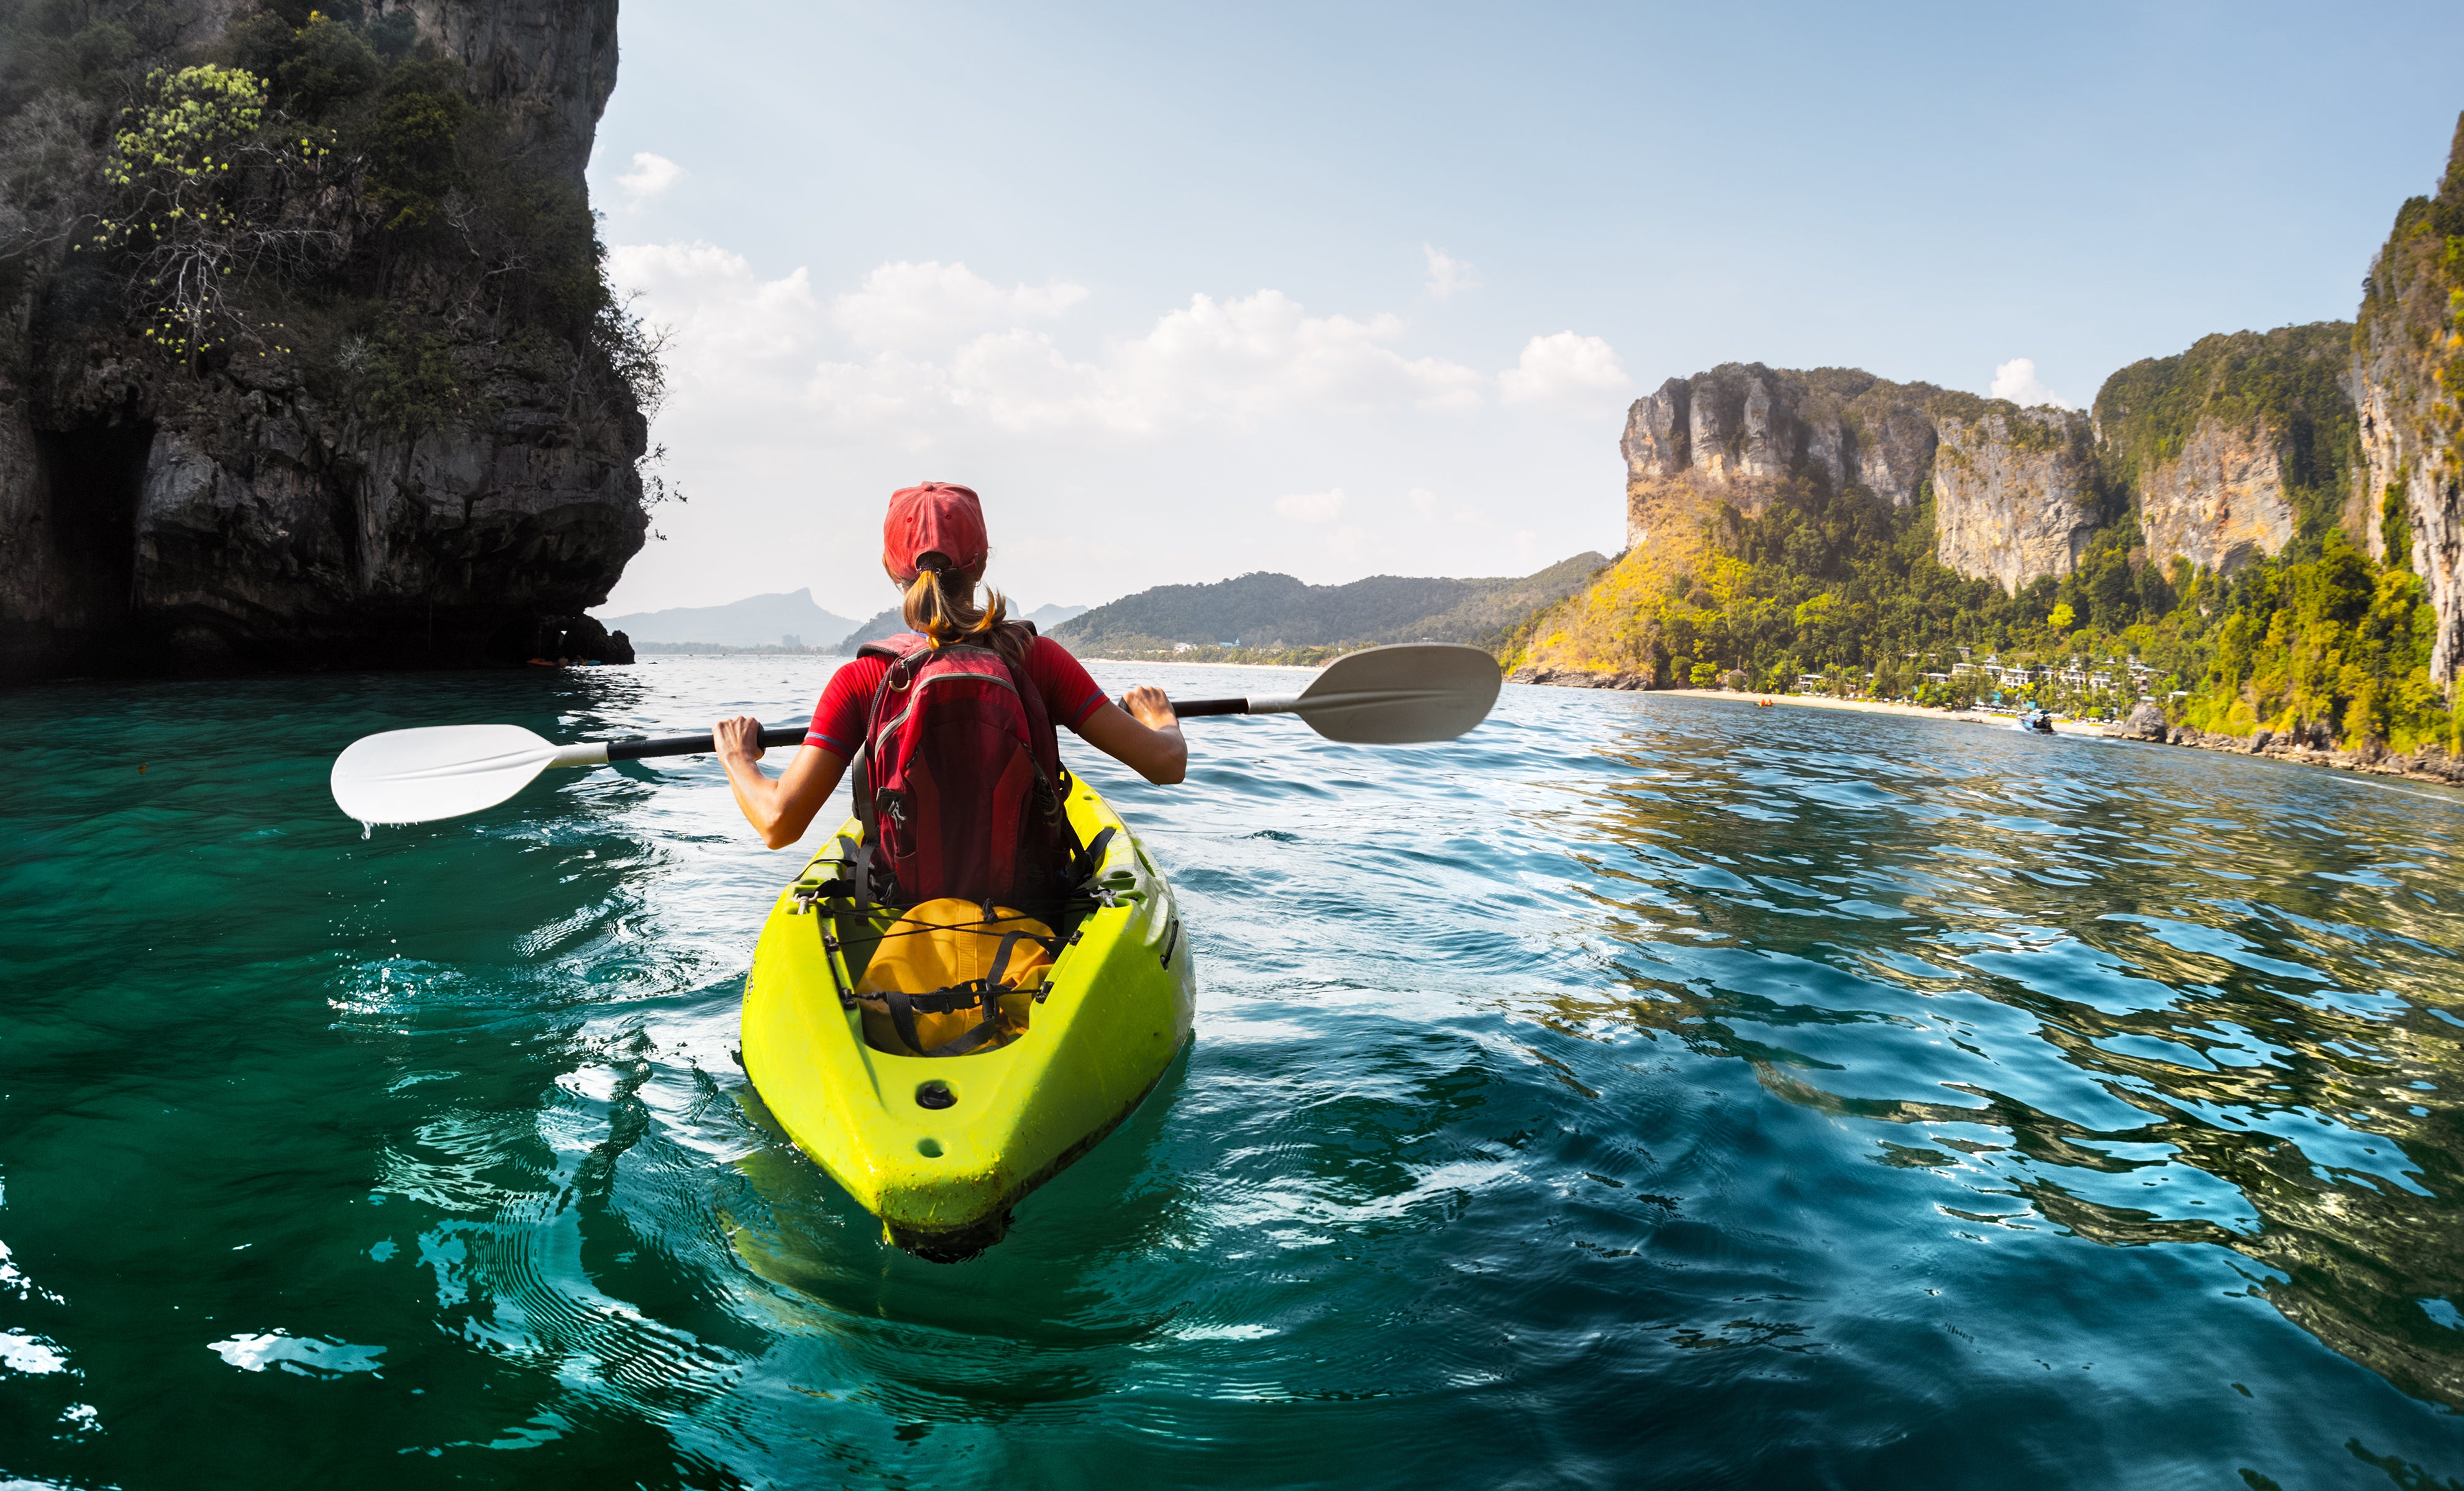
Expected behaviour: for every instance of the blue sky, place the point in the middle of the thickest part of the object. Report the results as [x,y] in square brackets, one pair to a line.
[1187,292]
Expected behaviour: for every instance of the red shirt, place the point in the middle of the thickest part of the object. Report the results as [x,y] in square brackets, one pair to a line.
[1069,695]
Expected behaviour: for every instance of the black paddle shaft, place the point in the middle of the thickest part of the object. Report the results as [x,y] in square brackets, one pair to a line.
[697,745]
[794,735]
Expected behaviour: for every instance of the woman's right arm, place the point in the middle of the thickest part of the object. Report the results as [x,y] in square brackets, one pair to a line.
[1146,737]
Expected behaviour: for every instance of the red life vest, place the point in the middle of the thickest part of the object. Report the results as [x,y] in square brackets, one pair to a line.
[957,782]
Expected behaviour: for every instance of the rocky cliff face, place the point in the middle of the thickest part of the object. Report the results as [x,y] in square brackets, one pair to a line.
[551,66]
[2407,377]
[2015,493]
[2219,503]
[2234,448]
[2222,450]
[1741,428]
[255,510]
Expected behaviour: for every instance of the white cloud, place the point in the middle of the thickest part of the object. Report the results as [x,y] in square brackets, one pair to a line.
[1563,367]
[1448,275]
[652,176]
[1423,501]
[1236,362]
[716,291]
[2017,381]
[925,348]
[738,339]
[913,305]
[1312,507]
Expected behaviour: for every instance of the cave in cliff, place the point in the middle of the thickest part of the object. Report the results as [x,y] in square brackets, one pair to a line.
[92,481]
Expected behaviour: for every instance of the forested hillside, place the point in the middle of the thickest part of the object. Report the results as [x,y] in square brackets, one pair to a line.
[1276,615]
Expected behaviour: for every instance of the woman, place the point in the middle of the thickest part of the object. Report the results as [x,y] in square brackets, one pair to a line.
[933,545]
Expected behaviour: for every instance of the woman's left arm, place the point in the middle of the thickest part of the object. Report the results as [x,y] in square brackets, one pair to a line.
[779,808]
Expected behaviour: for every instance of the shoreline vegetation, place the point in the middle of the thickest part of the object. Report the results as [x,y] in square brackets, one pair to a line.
[2429,762]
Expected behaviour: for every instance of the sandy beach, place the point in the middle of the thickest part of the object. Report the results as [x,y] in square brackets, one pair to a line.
[2066,727]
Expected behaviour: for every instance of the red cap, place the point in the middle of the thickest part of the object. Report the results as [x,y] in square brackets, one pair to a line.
[933,518]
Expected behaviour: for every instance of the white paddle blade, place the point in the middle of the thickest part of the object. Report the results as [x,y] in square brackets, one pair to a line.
[1401,695]
[440,771]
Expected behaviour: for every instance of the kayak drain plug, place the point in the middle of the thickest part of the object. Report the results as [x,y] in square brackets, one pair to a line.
[935,1094]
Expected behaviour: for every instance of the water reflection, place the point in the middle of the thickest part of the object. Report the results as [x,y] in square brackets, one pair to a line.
[2103,989]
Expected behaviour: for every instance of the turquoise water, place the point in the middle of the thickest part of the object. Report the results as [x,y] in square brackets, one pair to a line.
[1639,1091]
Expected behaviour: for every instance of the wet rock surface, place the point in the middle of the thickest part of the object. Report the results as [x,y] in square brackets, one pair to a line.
[2305,743]
[2145,722]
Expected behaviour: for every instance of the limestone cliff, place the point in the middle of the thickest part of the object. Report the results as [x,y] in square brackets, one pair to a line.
[2232,448]
[1742,429]
[2221,502]
[420,447]
[2015,490]
[549,66]
[2406,375]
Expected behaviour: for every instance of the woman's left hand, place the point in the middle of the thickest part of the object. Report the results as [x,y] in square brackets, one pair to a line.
[738,738]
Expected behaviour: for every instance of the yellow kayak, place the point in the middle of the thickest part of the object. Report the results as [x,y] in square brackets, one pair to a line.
[940,1149]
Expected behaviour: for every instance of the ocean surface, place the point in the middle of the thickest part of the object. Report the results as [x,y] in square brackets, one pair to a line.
[1638,1091]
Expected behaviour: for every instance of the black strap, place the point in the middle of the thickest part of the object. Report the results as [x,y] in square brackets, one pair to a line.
[984,993]
[1001,958]
[1091,860]
[856,856]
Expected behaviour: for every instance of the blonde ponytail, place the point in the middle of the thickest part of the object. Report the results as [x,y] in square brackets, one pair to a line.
[941,605]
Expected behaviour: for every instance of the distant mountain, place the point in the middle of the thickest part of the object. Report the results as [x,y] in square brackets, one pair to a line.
[890,623]
[1265,610]
[1048,617]
[757,621]
[884,624]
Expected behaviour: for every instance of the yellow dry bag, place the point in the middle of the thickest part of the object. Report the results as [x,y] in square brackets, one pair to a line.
[952,977]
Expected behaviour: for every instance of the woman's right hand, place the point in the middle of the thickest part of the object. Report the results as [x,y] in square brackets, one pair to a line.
[738,739]
[1151,707]
[1144,736]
